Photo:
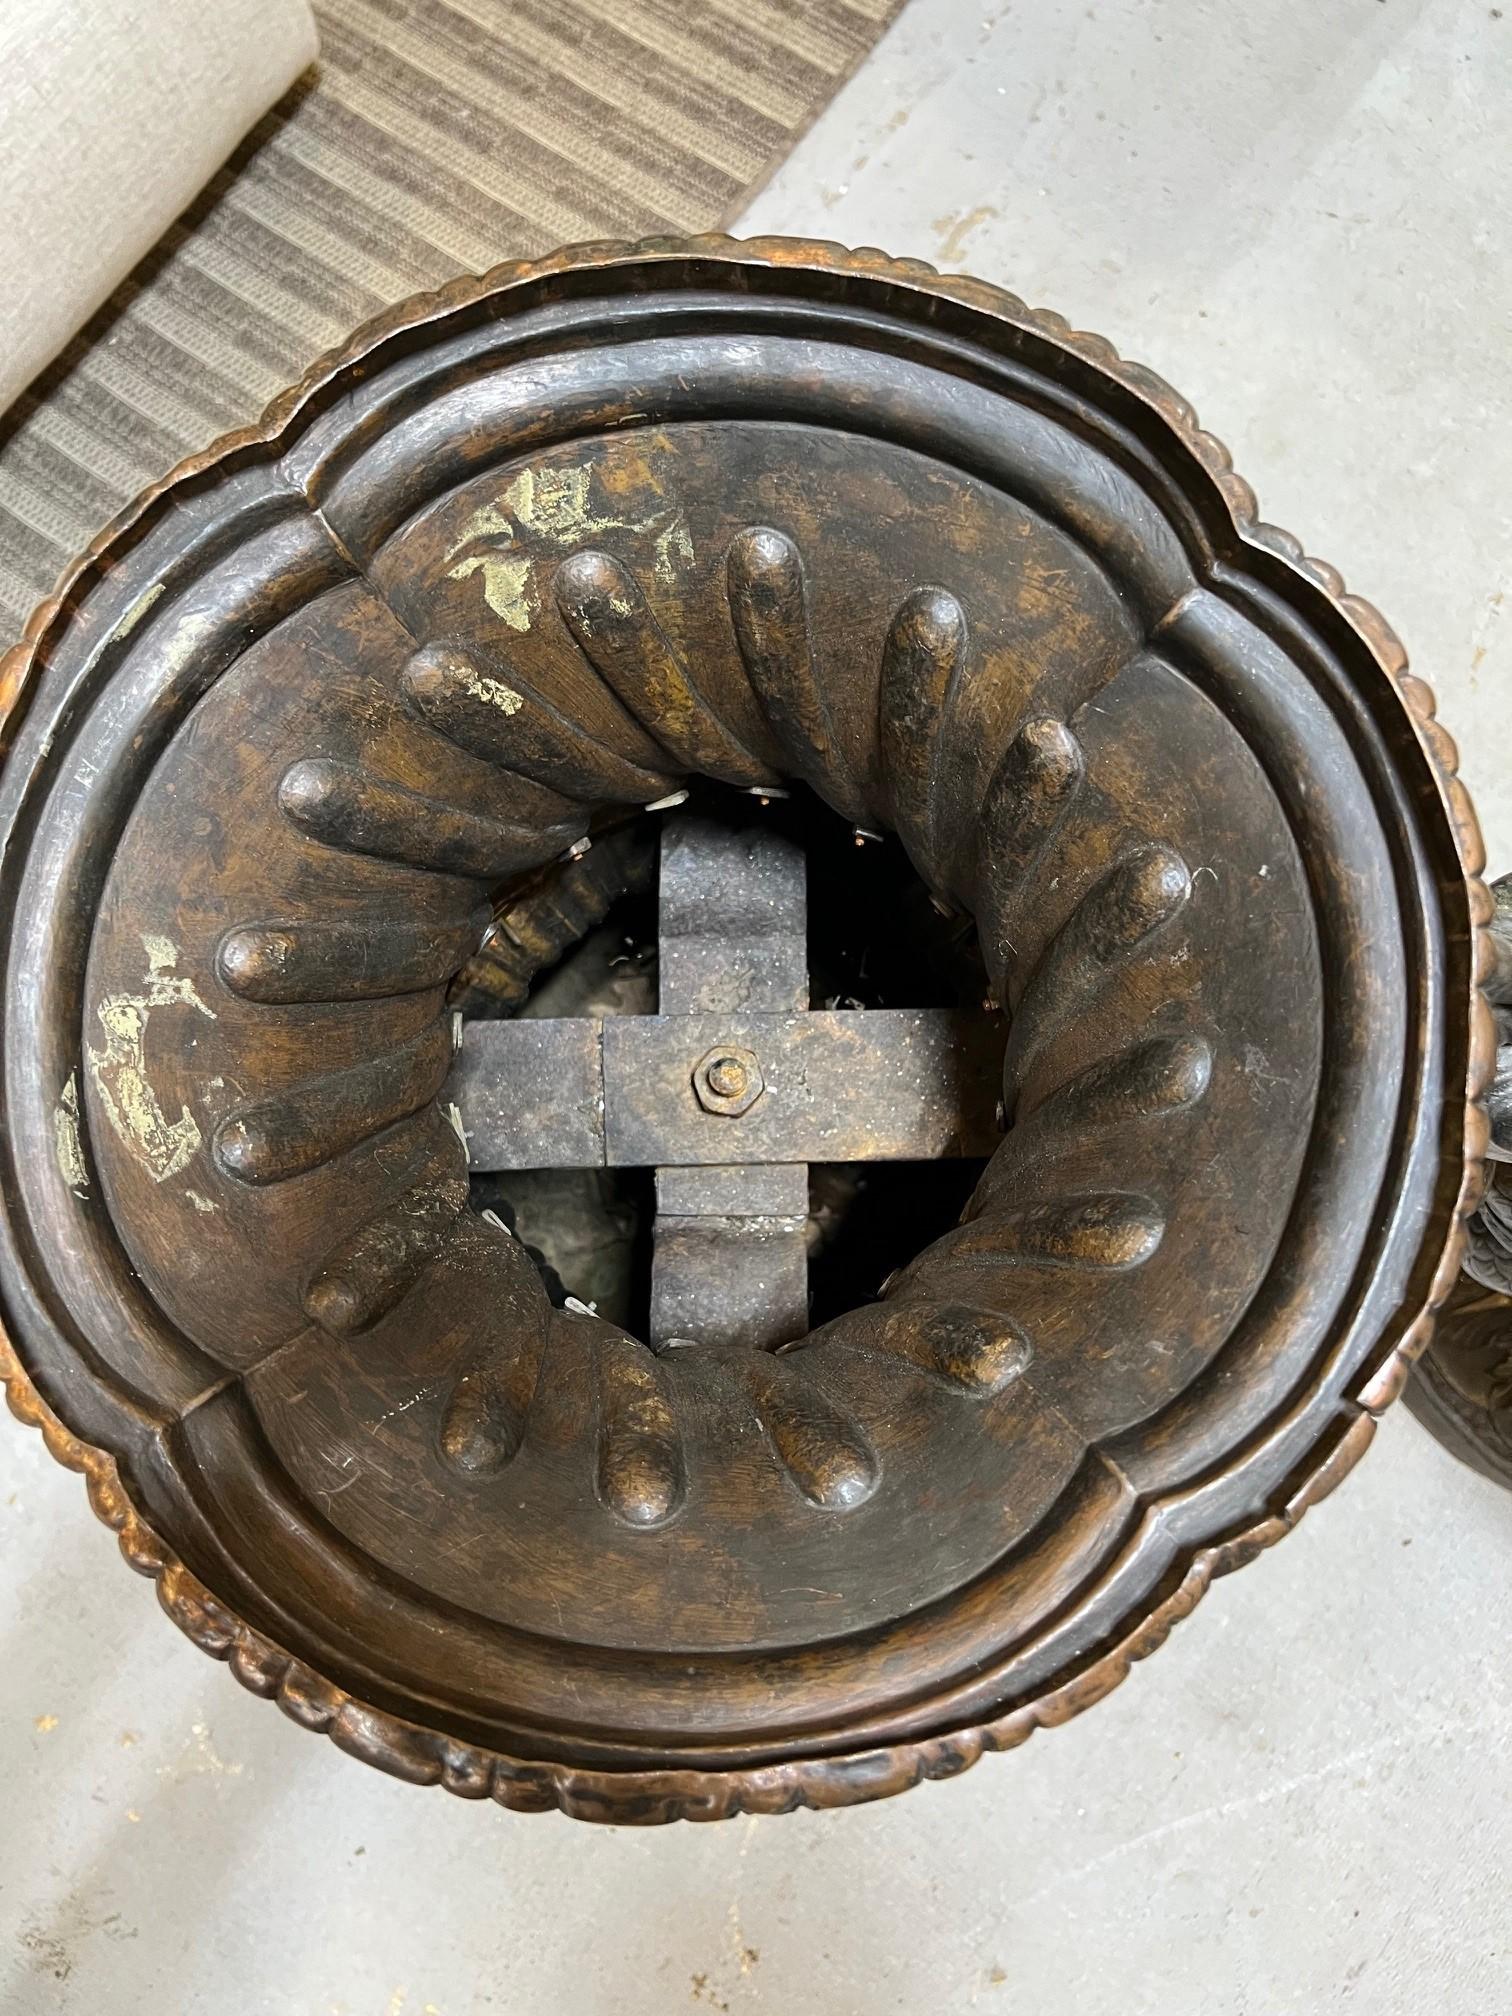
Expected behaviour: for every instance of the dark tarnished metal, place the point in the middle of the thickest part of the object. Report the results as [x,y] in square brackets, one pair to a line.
[529,1094]
[536,926]
[730,1262]
[840,1085]
[731,921]
[726,1080]
[533,554]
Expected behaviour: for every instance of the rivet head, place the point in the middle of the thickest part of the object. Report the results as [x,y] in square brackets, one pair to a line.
[728,1080]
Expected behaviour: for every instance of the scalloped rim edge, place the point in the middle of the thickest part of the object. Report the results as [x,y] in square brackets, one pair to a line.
[425,1756]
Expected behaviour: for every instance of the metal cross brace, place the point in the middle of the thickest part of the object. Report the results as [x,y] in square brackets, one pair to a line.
[731,1090]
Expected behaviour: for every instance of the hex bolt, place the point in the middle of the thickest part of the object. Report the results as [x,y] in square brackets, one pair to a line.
[728,1080]
[728,1077]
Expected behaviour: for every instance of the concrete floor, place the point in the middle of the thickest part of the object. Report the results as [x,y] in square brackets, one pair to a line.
[1298,214]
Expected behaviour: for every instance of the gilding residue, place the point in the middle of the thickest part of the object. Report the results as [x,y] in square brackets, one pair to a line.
[507,586]
[495,692]
[554,505]
[161,1145]
[136,612]
[70,1149]
[674,548]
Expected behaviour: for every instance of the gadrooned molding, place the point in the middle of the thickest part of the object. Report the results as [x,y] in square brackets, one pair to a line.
[426,1756]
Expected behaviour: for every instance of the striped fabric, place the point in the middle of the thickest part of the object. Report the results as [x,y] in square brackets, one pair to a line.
[437,136]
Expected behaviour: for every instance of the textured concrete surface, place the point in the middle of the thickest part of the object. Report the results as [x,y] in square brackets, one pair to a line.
[1295,213]
[1302,1803]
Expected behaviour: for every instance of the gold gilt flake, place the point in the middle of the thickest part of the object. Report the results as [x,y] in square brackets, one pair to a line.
[553,505]
[70,1149]
[161,1145]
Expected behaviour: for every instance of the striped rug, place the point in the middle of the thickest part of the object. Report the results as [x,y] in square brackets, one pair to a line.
[436,136]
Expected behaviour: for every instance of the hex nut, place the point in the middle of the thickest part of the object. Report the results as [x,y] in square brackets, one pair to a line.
[728,1080]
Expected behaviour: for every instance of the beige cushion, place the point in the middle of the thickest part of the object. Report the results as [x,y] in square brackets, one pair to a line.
[113,114]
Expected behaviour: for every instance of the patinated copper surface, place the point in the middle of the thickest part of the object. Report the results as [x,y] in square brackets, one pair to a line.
[534,552]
